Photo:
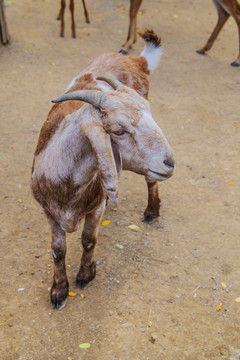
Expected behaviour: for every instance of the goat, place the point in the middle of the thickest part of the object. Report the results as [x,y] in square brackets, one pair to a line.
[71,7]
[83,147]
[224,8]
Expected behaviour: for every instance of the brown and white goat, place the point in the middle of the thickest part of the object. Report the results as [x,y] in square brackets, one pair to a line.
[71,7]
[224,8]
[83,145]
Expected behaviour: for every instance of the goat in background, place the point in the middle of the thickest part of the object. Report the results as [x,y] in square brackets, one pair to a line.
[132,30]
[224,8]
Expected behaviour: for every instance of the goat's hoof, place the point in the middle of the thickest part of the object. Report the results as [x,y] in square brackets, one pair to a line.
[61,35]
[59,296]
[88,21]
[85,275]
[235,64]
[124,52]
[58,18]
[149,217]
[74,36]
[200,52]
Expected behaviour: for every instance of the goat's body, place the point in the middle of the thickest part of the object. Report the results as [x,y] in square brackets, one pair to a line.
[132,72]
[74,169]
[62,159]
[225,8]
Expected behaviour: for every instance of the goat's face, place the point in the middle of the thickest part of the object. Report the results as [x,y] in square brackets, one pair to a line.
[141,143]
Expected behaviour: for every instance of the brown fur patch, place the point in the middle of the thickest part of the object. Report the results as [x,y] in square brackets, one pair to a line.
[64,196]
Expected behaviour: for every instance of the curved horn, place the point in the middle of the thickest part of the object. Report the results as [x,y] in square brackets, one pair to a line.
[114,83]
[92,97]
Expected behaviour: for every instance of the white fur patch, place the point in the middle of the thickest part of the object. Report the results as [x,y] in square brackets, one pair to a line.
[66,153]
[153,55]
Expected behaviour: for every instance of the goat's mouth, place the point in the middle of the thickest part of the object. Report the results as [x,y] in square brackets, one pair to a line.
[159,176]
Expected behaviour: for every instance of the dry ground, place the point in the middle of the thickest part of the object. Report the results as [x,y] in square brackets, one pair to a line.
[159,296]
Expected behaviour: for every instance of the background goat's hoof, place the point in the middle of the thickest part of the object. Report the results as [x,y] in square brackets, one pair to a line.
[124,52]
[58,18]
[235,64]
[61,35]
[200,52]
[59,297]
[88,21]
[85,275]
[74,36]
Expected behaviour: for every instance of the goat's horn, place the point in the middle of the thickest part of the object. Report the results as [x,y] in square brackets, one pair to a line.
[114,83]
[93,97]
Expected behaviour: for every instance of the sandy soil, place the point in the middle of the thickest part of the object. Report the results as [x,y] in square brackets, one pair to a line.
[162,296]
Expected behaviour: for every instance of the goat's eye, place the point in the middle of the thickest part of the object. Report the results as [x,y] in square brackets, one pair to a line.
[119,132]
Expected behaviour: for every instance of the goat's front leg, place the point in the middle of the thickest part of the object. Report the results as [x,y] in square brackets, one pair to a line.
[152,210]
[60,286]
[87,270]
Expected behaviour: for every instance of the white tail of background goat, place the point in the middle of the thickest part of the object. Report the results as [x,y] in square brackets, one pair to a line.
[101,125]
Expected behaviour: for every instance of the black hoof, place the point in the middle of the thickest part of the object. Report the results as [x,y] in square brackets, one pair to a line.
[86,275]
[88,21]
[234,64]
[124,52]
[58,18]
[74,36]
[148,219]
[61,35]
[82,284]
[59,297]
[200,52]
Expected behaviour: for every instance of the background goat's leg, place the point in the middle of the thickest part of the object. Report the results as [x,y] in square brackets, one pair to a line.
[85,12]
[236,16]
[87,270]
[71,7]
[222,18]
[152,210]
[59,291]
[132,30]
[61,13]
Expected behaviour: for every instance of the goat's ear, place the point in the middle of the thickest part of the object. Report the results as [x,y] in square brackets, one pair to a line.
[117,157]
[100,141]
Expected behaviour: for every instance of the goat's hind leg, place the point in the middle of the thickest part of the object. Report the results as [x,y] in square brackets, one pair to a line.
[222,18]
[132,30]
[87,270]
[152,210]
[236,16]
[60,286]
[85,12]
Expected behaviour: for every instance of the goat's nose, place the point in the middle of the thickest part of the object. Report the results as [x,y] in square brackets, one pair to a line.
[169,162]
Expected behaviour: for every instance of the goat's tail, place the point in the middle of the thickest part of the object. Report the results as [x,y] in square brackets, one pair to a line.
[153,48]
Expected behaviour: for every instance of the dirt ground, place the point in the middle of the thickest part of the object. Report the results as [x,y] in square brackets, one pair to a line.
[170,291]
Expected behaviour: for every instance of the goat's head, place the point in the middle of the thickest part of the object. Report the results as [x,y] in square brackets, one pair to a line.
[123,134]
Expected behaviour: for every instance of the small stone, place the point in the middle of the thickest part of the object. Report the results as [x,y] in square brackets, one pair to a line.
[153,338]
